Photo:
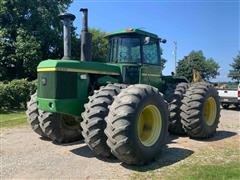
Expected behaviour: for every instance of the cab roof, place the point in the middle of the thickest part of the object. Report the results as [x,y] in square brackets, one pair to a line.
[132,30]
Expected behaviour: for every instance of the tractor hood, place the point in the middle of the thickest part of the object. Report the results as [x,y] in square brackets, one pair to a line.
[63,85]
[78,66]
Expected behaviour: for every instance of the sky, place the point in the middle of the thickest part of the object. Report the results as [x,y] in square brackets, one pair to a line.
[210,26]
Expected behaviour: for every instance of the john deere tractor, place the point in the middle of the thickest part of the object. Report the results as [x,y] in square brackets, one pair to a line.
[123,108]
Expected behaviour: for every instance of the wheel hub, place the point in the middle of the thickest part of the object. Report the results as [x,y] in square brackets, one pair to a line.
[149,125]
[210,111]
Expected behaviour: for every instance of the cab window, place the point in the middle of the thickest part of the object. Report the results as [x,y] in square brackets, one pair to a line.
[125,50]
[150,52]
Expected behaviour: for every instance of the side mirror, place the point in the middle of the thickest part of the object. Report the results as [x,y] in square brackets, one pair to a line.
[162,40]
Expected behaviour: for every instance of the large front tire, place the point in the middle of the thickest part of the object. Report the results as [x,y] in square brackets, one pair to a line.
[60,128]
[93,123]
[33,115]
[200,110]
[137,124]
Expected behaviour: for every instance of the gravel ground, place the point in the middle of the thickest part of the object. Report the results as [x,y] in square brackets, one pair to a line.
[26,156]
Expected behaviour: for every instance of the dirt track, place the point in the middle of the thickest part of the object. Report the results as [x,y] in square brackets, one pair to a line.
[25,156]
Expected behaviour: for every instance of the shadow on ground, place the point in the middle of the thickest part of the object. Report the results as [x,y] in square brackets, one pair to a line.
[69,144]
[167,157]
[85,151]
[44,138]
[220,135]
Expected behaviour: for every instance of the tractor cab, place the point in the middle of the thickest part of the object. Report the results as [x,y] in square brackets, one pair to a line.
[134,46]
[138,54]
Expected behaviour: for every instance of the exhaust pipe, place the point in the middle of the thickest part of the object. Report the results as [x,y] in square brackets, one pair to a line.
[67,20]
[86,38]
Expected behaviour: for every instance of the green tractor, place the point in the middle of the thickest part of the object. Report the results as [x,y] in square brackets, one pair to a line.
[123,108]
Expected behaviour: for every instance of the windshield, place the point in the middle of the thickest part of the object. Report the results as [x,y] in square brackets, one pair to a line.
[125,50]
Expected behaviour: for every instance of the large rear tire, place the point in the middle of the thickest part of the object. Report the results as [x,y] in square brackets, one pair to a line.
[174,96]
[137,124]
[33,114]
[200,110]
[60,128]
[93,123]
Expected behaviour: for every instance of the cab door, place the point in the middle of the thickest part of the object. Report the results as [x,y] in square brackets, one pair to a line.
[151,69]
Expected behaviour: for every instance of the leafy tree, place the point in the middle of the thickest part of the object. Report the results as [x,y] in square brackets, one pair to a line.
[27,50]
[208,68]
[30,31]
[234,73]
[99,45]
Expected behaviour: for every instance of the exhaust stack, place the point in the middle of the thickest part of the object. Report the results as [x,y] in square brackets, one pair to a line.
[86,38]
[67,20]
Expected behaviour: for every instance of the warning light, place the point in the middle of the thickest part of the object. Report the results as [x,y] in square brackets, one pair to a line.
[129,29]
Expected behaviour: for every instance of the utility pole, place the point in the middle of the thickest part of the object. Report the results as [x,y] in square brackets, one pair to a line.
[175,54]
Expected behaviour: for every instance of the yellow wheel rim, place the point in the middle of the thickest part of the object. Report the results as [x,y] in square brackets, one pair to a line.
[149,125]
[210,111]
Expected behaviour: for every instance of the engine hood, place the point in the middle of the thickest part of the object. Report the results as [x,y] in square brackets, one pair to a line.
[78,66]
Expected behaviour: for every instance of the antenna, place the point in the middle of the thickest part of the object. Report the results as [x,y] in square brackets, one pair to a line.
[175,54]
[141,28]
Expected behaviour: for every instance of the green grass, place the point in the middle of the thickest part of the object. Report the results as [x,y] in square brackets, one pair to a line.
[11,118]
[214,162]
[229,170]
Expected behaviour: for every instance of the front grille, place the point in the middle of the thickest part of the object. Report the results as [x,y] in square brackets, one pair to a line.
[57,85]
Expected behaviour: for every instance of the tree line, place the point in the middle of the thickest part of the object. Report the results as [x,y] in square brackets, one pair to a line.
[30,31]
